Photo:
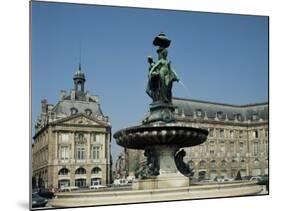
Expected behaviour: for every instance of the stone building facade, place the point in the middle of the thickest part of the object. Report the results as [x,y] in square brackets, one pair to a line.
[237,141]
[72,141]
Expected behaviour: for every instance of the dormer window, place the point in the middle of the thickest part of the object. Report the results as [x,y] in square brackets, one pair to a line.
[88,112]
[255,116]
[238,117]
[199,112]
[219,114]
[73,111]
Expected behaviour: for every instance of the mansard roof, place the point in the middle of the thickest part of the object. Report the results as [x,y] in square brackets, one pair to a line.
[252,112]
[63,108]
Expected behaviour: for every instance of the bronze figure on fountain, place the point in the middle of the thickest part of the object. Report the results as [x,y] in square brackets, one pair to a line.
[161,75]
[160,82]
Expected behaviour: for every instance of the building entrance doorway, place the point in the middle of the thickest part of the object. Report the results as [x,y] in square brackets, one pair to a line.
[96,181]
[80,183]
[64,183]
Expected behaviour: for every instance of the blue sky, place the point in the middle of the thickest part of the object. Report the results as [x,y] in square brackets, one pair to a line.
[221,58]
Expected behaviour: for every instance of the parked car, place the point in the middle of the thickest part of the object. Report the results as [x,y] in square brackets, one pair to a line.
[223,179]
[219,179]
[120,182]
[228,179]
[38,201]
[262,180]
[97,186]
[130,179]
[45,193]
[256,178]
[246,177]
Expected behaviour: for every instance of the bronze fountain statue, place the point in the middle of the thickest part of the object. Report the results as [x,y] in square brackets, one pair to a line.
[160,135]
[161,75]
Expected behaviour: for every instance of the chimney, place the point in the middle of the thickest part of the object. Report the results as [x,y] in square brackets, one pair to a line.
[62,94]
[72,95]
[87,96]
[44,106]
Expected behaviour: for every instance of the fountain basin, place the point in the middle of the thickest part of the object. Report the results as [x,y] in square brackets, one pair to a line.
[140,137]
[218,190]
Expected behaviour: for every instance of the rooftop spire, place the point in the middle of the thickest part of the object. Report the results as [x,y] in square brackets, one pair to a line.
[79,68]
[80,56]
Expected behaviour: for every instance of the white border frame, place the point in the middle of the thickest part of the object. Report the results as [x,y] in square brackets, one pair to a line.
[15,102]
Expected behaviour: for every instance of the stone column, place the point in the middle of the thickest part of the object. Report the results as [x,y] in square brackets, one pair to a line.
[88,175]
[72,149]
[104,146]
[56,140]
[88,147]
[72,175]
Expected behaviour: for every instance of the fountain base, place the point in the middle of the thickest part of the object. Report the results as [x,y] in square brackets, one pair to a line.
[168,174]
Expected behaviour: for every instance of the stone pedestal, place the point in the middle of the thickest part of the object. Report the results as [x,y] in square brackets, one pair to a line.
[169,176]
[160,111]
[166,158]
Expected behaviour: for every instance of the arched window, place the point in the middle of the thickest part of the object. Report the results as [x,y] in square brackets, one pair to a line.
[96,170]
[80,171]
[63,171]
[88,111]
[73,111]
